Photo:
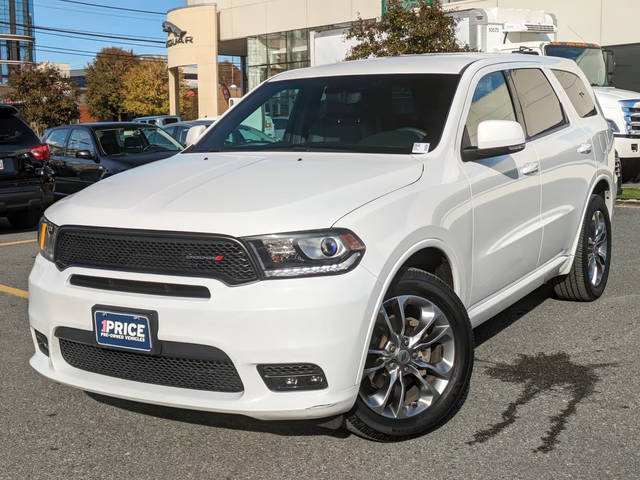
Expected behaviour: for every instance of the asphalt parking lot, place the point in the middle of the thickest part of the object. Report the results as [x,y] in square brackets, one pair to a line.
[555,394]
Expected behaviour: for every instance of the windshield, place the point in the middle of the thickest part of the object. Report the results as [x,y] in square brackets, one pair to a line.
[125,141]
[589,59]
[372,113]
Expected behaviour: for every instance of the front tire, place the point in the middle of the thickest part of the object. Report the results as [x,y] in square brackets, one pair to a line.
[590,270]
[419,362]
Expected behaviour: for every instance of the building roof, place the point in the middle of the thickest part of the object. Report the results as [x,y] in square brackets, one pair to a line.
[441,63]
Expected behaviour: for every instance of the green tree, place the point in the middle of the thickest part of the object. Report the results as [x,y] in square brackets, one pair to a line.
[419,27]
[105,76]
[146,89]
[44,96]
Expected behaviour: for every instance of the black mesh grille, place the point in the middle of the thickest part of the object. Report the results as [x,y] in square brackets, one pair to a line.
[290,369]
[195,374]
[195,255]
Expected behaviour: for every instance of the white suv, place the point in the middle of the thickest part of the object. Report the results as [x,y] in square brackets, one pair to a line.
[340,267]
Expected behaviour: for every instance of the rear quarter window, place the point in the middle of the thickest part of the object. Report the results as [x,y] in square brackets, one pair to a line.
[56,141]
[577,92]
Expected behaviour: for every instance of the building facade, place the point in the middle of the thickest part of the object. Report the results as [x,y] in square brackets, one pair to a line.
[16,35]
[272,36]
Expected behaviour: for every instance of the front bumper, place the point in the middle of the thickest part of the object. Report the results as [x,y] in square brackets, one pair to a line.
[323,320]
[627,147]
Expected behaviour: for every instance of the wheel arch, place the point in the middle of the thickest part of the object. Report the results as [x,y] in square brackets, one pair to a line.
[429,253]
[602,185]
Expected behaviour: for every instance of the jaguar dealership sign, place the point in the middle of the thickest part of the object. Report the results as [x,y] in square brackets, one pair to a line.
[176,34]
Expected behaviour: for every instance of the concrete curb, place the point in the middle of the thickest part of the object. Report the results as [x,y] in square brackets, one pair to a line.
[628,203]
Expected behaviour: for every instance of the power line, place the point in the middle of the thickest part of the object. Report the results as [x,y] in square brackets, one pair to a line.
[141,58]
[101,41]
[88,34]
[107,54]
[114,8]
[86,12]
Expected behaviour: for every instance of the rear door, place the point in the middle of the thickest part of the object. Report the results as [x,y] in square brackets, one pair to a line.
[505,194]
[565,151]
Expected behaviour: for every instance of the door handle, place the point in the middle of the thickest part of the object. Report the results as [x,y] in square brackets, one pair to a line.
[530,168]
[585,148]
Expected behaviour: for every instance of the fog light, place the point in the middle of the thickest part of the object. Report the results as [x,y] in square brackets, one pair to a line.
[292,376]
[43,343]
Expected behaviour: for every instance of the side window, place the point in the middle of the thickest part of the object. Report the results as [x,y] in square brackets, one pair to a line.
[577,92]
[491,101]
[79,139]
[56,140]
[540,105]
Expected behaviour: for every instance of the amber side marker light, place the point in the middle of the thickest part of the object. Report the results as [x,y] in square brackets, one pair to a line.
[43,229]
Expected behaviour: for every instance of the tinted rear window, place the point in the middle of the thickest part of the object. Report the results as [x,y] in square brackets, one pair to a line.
[540,105]
[14,134]
[577,92]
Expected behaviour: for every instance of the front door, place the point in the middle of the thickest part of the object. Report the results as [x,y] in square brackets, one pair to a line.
[505,193]
[78,170]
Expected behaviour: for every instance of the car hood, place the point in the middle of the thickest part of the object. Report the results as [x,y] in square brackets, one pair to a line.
[139,158]
[238,194]
[615,94]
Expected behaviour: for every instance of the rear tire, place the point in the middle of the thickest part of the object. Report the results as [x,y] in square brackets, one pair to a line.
[24,219]
[590,270]
[422,369]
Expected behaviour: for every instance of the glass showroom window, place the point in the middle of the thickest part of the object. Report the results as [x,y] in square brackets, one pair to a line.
[274,53]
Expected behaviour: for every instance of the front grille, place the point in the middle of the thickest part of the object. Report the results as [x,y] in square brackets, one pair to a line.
[171,371]
[631,109]
[170,253]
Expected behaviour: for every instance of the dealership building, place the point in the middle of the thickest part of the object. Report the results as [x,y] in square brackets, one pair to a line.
[237,44]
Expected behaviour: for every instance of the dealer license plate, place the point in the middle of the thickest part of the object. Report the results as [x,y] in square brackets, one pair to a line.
[122,330]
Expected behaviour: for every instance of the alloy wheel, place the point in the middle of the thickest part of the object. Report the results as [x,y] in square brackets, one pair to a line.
[410,358]
[597,247]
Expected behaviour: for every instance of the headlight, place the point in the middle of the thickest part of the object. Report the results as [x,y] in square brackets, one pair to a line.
[612,125]
[47,233]
[307,253]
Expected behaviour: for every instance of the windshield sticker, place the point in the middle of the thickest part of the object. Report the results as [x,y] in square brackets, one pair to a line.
[420,147]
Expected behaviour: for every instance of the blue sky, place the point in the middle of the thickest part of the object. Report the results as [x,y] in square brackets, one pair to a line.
[70,16]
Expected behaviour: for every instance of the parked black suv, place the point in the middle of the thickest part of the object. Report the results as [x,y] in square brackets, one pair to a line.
[26,181]
[83,154]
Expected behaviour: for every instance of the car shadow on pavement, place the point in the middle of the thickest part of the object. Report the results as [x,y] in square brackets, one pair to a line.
[506,318]
[228,421]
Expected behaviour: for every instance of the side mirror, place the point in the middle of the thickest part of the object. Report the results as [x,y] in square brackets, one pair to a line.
[87,155]
[496,138]
[610,61]
[194,134]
